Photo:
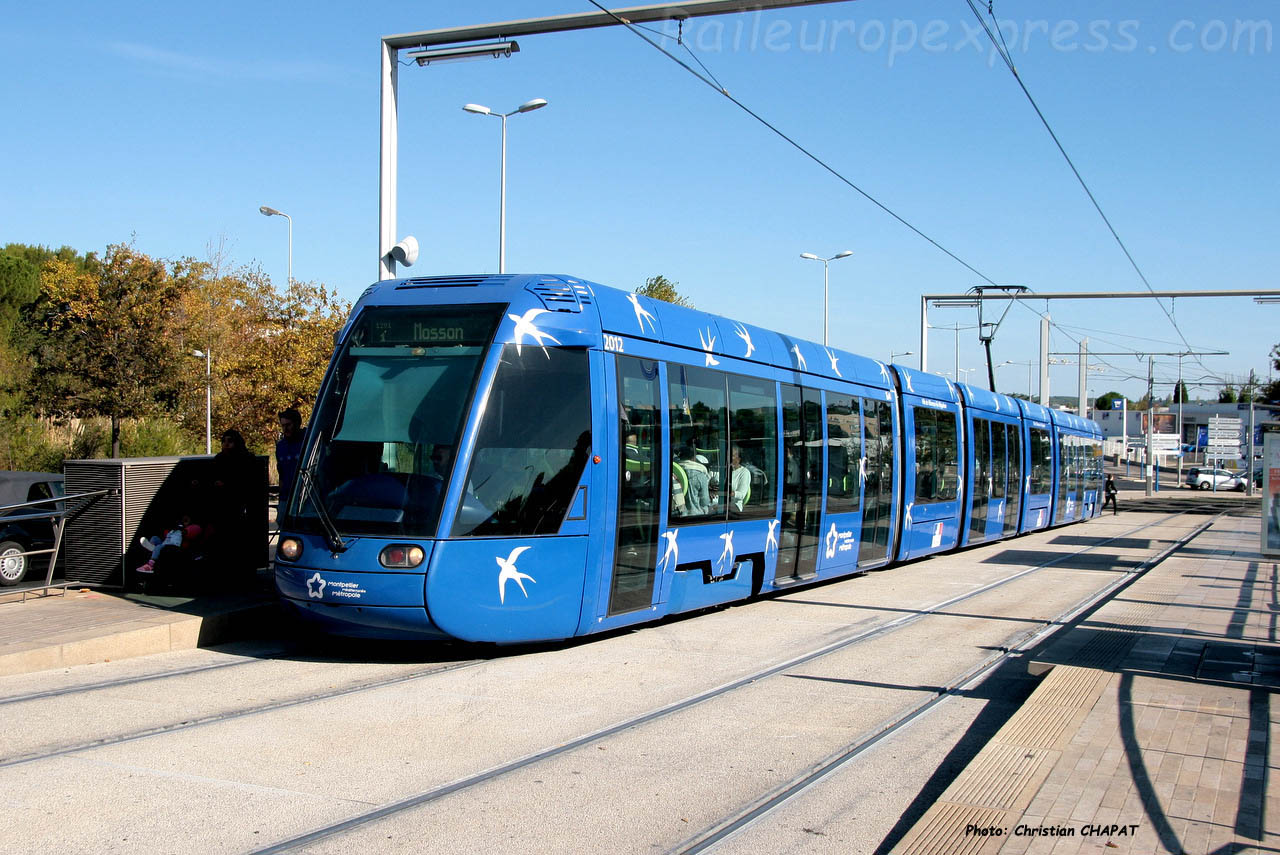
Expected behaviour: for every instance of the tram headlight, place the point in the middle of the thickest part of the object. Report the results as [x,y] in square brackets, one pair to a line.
[401,555]
[290,548]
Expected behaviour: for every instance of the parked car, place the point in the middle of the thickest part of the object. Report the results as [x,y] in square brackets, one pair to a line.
[18,536]
[1208,479]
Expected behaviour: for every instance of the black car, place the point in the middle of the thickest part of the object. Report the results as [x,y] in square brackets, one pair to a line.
[18,536]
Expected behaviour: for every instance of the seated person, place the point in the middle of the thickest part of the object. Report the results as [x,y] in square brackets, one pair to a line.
[183,535]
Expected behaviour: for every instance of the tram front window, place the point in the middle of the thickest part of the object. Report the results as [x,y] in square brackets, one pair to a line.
[531,445]
[381,441]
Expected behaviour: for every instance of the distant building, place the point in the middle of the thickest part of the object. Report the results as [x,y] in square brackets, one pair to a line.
[1195,419]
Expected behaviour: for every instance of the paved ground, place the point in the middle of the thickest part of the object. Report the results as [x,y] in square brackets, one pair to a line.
[661,738]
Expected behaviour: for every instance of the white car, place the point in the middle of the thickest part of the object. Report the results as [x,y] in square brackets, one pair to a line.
[1207,479]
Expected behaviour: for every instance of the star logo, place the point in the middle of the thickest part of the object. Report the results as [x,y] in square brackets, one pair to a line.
[772,539]
[708,342]
[742,333]
[832,539]
[510,573]
[642,315]
[671,557]
[831,354]
[315,586]
[795,348]
[525,327]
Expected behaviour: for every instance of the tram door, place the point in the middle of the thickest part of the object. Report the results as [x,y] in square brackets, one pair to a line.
[877,502]
[639,482]
[801,483]
[1013,502]
[981,480]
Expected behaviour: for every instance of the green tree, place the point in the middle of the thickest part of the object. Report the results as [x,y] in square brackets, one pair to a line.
[103,338]
[1249,390]
[1180,394]
[20,266]
[661,288]
[1228,395]
[1104,402]
[1271,392]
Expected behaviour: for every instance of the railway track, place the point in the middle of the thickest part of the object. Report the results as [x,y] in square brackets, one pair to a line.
[730,824]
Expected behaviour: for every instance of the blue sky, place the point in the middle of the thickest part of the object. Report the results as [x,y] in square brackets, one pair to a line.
[170,124]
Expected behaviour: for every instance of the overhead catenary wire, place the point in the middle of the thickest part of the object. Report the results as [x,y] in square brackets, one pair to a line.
[838,175]
[1008,61]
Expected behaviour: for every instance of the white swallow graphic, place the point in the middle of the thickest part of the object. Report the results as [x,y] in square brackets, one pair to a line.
[795,348]
[672,555]
[525,327]
[708,342]
[831,354]
[772,538]
[642,315]
[727,552]
[745,336]
[831,541]
[510,572]
[315,587]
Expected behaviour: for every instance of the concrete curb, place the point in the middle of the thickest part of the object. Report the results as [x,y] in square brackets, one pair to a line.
[132,630]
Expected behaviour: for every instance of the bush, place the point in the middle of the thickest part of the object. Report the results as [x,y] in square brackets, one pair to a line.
[155,438]
[28,444]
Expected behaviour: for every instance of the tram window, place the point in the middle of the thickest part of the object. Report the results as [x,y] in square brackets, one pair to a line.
[699,429]
[753,437]
[844,454]
[937,456]
[1041,453]
[997,460]
[532,444]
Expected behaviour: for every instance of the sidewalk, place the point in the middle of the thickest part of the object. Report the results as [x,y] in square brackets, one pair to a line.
[87,626]
[1151,732]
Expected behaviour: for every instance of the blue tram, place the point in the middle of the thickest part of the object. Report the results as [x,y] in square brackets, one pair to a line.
[514,458]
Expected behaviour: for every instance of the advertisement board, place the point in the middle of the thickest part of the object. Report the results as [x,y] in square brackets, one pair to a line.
[1271,492]
[1165,422]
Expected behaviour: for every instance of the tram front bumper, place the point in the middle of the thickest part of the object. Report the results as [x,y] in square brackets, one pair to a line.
[362,604]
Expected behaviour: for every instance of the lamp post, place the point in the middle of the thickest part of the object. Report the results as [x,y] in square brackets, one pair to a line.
[272,212]
[481,110]
[826,269]
[896,353]
[207,355]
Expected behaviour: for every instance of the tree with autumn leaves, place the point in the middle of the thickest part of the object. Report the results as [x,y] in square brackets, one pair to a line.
[115,339]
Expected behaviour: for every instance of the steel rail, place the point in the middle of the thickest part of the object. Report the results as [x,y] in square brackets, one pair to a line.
[728,827]
[461,784]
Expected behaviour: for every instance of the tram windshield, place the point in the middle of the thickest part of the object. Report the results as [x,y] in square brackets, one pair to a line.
[381,441]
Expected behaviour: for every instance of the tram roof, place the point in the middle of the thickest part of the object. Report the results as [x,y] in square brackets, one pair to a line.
[574,309]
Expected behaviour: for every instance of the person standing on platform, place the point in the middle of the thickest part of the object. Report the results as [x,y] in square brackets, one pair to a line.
[288,449]
[1109,491]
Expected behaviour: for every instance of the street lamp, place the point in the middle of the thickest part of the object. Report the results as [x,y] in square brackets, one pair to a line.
[826,262]
[895,353]
[1029,365]
[481,110]
[207,356]
[272,212]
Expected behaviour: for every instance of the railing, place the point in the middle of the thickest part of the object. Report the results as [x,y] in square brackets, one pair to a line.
[58,518]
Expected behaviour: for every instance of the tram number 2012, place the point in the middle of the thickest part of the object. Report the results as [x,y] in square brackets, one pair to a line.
[613,343]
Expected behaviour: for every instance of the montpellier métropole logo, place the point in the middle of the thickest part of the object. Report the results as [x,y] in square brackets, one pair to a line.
[315,586]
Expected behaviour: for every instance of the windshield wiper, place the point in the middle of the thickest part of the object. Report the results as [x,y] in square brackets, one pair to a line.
[332,535]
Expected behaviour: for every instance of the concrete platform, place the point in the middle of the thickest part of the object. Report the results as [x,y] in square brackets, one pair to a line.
[85,626]
[1152,731]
